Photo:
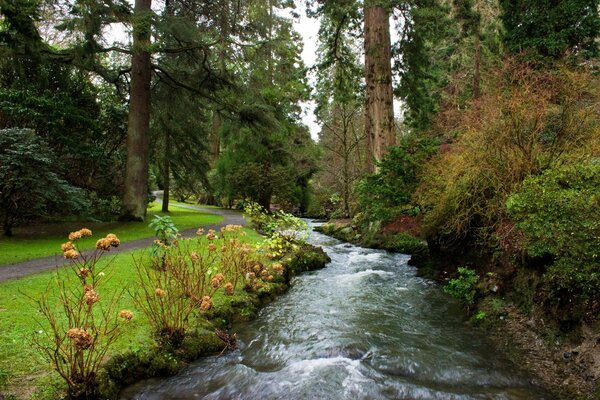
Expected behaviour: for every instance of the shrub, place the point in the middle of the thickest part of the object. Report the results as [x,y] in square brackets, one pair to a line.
[528,121]
[284,231]
[191,272]
[382,195]
[558,213]
[463,288]
[29,187]
[83,321]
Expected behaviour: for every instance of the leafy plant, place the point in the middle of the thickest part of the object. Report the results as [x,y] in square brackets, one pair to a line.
[383,194]
[284,231]
[164,229]
[29,185]
[480,315]
[463,287]
[558,213]
[193,272]
[166,233]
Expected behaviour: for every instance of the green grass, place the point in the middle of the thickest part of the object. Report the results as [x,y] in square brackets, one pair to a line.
[22,367]
[45,239]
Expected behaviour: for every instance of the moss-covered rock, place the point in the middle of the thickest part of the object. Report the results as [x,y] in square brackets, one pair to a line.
[407,244]
[306,258]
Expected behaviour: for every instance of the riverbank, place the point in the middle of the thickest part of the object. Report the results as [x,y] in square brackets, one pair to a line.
[209,336]
[504,306]
[24,375]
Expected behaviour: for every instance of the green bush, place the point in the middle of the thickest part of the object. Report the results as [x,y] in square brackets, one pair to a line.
[529,120]
[383,193]
[29,185]
[463,288]
[558,213]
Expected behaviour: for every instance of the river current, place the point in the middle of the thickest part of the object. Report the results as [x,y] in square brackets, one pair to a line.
[364,327]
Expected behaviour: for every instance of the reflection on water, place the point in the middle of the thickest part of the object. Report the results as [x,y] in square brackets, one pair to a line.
[365,327]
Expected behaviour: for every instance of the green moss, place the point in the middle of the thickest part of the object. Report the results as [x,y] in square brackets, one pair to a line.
[306,258]
[407,244]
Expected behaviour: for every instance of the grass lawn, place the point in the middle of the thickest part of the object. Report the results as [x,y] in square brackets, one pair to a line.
[23,371]
[45,239]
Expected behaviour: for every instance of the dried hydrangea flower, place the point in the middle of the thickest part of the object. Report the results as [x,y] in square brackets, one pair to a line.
[91,297]
[67,246]
[85,232]
[228,287]
[71,254]
[206,303]
[126,315]
[73,236]
[103,244]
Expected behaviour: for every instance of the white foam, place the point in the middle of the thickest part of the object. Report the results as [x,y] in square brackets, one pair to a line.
[307,367]
[362,274]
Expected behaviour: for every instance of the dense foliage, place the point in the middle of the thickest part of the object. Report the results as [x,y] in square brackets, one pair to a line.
[558,212]
[29,184]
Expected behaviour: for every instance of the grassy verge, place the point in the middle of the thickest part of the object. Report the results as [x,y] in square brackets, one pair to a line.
[45,239]
[23,372]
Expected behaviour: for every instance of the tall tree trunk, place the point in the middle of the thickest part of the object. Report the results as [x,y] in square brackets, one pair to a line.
[135,197]
[167,175]
[379,109]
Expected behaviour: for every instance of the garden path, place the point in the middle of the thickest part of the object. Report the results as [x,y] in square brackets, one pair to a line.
[25,268]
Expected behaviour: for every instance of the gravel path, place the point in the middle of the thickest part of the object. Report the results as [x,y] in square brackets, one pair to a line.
[25,268]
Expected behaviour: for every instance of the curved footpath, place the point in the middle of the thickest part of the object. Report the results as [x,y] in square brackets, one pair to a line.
[25,268]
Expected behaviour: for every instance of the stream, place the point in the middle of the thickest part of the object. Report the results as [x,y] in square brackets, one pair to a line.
[365,327]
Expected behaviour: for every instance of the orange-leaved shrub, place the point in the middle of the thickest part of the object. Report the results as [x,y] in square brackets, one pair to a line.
[528,120]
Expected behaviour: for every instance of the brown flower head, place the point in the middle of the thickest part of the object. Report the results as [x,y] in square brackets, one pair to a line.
[212,247]
[278,268]
[67,246]
[211,236]
[159,292]
[206,303]
[200,232]
[228,287]
[269,278]
[264,273]
[71,254]
[85,232]
[114,240]
[103,244]
[83,273]
[73,236]
[126,315]
[82,339]
[91,297]
[251,276]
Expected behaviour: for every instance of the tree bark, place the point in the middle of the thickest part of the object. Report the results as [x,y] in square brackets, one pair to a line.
[379,107]
[135,197]
[167,175]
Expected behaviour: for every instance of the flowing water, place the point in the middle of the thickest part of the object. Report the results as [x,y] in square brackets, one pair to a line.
[365,327]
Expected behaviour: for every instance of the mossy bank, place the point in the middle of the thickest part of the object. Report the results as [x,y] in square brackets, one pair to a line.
[372,237]
[209,336]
